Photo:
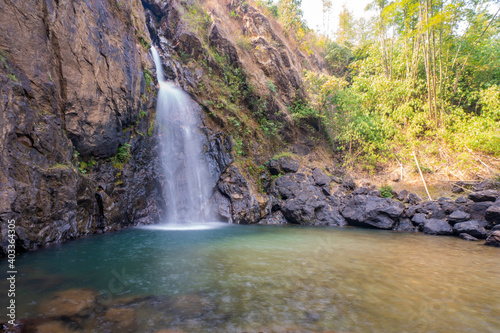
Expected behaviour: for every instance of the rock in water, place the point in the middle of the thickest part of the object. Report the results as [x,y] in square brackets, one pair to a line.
[69,303]
[437,227]
[493,239]
[472,228]
[458,216]
[372,212]
[492,214]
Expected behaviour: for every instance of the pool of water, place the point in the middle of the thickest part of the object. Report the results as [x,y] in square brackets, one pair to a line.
[269,279]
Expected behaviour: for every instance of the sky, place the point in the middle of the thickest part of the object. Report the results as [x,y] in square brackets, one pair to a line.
[313,12]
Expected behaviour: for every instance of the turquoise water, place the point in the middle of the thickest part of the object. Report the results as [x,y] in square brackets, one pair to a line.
[271,279]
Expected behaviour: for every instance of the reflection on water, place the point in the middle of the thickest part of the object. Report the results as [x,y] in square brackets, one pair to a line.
[273,279]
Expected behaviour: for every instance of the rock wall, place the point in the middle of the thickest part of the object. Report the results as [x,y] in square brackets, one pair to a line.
[73,90]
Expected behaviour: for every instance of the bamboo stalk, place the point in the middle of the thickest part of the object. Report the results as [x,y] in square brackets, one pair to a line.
[422,176]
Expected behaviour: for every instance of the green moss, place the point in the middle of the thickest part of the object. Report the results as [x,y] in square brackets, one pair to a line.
[386,191]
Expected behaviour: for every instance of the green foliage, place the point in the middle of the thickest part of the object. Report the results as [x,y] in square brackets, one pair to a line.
[148,78]
[122,156]
[386,191]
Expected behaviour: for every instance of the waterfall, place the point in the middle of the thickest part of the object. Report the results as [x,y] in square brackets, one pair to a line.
[186,189]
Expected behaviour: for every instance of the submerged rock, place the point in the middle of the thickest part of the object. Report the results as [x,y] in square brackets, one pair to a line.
[69,303]
[468,237]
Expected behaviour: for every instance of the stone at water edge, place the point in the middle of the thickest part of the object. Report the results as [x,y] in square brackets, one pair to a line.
[472,228]
[468,237]
[437,227]
[458,216]
[370,211]
[492,214]
[493,239]
[419,219]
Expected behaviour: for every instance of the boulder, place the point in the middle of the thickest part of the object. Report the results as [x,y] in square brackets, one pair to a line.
[477,210]
[437,227]
[419,219]
[487,195]
[492,214]
[472,228]
[320,178]
[329,215]
[245,207]
[289,165]
[370,211]
[458,216]
[493,239]
[461,200]
[274,167]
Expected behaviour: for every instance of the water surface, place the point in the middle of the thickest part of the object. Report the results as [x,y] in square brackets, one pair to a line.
[275,279]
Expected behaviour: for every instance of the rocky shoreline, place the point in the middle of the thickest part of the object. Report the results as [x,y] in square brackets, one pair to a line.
[311,197]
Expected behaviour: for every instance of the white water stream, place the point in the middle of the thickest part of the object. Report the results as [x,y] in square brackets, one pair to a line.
[186,188]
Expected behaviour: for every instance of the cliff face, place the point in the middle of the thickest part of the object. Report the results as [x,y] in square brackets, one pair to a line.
[73,91]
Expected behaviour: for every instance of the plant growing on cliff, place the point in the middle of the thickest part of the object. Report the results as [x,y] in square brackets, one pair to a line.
[122,156]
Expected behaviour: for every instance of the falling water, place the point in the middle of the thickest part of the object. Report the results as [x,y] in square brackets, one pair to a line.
[186,190]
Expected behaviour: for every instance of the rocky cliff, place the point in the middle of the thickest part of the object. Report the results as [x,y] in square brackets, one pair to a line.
[75,156]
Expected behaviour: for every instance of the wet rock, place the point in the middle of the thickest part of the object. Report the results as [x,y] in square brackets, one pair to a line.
[468,237]
[288,164]
[487,195]
[437,227]
[274,218]
[222,207]
[370,211]
[458,216]
[492,214]
[329,215]
[405,225]
[53,327]
[320,177]
[245,208]
[124,319]
[472,228]
[493,239]
[69,303]
[190,306]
